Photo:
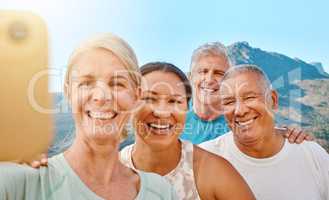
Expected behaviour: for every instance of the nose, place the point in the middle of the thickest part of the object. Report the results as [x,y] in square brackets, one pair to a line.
[240,109]
[101,94]
[161,110]
[210,76]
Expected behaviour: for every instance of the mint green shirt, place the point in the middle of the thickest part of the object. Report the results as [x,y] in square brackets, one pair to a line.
[59,181]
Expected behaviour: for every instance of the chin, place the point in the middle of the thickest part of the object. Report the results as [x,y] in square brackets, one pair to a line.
[105,139]
[209,100]
[100,133]
[160,142]
[247,137]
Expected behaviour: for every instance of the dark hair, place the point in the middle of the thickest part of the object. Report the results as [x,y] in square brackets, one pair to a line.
[170,68]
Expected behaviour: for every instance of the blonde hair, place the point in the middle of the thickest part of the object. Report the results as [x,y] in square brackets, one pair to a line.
[110,42]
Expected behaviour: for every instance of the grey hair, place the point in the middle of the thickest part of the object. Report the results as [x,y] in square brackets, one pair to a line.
[249,68]
[211,48]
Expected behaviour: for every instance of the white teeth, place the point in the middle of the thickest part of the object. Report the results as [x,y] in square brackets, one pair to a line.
[158,126]
[208,90]
[102,115]
[245,123]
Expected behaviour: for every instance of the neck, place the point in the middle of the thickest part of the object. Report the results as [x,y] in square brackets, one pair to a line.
[206,112]
[157,161]
[263,148]
[97,162]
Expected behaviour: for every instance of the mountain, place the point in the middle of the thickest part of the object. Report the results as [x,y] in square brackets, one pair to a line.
[303,94]
[319,67]
[274,64]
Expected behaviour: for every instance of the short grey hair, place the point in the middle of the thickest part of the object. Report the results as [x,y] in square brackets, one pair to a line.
[249,68]
[211,48]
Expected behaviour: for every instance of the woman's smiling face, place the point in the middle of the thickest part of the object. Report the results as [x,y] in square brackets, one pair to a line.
[162,116]
[102,95]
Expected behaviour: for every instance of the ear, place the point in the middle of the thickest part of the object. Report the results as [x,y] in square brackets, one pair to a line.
[275,99]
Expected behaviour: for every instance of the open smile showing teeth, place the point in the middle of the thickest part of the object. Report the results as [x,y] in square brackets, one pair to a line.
[245,123]
[102,115]
[160,126]
[208,90]
[160,129]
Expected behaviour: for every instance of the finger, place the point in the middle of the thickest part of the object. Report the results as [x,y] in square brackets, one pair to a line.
[292,137]
[44,161]
[310,137]
[301,137]
[35,164]
[287,133]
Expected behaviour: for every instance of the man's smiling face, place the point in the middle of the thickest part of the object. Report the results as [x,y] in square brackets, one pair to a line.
[206,75]
[248,107]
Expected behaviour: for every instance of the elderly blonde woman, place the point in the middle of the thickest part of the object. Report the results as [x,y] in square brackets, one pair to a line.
[101,85]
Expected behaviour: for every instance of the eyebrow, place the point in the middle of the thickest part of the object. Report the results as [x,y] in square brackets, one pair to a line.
[250,93]
[219,70]
[202,67]
[155,93]
[90,77]
[150,91]
[86,77]
[228,97]
[119,77]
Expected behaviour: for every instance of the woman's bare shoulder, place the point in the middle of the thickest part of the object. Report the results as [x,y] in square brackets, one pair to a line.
[216,177]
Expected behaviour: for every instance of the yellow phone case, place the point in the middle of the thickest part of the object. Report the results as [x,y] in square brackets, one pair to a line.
[25,122]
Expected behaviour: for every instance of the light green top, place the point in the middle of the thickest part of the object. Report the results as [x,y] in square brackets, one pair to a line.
[59,181]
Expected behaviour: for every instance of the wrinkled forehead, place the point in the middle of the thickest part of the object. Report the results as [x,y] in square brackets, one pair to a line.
[99,71]
[211,61]
[98,63]
[240,84]
[163,83]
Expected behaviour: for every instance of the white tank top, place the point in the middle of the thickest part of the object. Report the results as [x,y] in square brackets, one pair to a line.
[182,177]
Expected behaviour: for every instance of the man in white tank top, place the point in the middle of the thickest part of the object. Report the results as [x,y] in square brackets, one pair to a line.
[273,168]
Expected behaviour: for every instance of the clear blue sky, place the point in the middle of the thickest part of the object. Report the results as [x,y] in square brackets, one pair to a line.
[170,30]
